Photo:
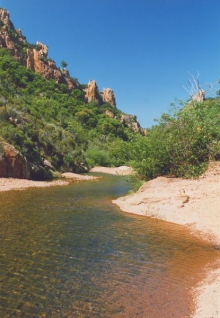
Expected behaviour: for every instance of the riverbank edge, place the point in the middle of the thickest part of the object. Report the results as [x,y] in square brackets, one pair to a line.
[8,184]
[194,204]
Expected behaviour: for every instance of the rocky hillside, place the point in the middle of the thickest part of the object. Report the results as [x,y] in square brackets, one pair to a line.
[35,57]
[48,120]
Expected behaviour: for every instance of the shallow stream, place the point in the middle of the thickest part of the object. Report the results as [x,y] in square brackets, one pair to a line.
[69,252]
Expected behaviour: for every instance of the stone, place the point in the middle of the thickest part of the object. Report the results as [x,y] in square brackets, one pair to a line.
[48,164]
[131,121]
[40,173]
[42,48]
[30,60]
[5,18]
[3,168]
[109,113]
[108,96]
[92,93]
[12,163]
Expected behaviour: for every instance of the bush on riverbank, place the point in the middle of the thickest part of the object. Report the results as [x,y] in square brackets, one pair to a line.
[181,144]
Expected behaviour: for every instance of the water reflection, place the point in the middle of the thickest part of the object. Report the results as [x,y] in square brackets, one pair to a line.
[68,252]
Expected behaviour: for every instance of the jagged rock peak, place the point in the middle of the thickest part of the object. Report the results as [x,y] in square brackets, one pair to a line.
[108,96]
[5,18]
[92,93]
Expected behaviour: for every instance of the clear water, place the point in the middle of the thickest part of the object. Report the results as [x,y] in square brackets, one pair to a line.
[68,252]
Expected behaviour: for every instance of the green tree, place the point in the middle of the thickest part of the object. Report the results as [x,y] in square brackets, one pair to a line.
[63,64]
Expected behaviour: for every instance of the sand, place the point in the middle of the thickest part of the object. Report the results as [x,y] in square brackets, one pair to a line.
[121,171]
[191,203]
[7,184]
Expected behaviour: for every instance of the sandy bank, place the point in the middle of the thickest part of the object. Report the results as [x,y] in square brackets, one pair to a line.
[7,184]
[195,203]
[192,203]
[123,170]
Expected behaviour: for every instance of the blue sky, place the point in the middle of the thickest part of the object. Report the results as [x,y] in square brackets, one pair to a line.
[142,49]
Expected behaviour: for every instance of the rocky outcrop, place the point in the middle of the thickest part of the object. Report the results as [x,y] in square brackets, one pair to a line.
[92,94]
[12,163]
[38,61]
[5,18]
[131,121]
[108,96]
[6,31]
[35,57]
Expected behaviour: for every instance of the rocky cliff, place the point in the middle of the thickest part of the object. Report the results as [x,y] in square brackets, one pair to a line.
[34,57]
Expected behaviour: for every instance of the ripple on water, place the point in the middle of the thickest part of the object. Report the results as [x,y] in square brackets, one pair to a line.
[68,252]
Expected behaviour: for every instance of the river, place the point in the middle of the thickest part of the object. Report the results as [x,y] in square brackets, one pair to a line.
[69,252]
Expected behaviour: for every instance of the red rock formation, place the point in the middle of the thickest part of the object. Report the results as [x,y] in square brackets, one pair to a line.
[35,59]
[92,93]
[12,163]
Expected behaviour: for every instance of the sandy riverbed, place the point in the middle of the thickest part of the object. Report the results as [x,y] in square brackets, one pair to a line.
[192,203]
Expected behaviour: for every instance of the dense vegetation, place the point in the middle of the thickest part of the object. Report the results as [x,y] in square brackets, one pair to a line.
[44,120]
[182,143]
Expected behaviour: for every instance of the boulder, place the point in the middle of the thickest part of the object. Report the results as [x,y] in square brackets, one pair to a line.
[40,173]
[12,163]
